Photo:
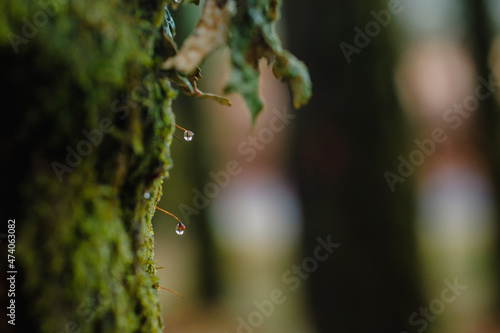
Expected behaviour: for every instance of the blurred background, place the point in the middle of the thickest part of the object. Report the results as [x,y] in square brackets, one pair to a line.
[374,208]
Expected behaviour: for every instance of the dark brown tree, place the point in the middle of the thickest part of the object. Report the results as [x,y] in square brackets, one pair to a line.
[346,138]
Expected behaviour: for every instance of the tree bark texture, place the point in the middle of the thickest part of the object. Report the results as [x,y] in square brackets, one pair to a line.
[87,143]
[85,146]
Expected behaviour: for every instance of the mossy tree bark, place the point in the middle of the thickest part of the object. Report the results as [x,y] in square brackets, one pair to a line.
[88,135]
[87,145]
[348,136]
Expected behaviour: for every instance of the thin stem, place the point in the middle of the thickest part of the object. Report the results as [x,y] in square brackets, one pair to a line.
[175,292]
[180,127]
[175,217]
[177,138]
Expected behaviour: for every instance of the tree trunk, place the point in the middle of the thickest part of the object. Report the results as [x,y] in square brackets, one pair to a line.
[83,154]
[480,38]
[88,143]
[348,136]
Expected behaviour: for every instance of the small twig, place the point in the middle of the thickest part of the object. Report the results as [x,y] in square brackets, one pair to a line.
[175,292]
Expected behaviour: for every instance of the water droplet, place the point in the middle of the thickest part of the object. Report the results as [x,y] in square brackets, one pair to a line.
[147,195]
[179,229]
[188,135]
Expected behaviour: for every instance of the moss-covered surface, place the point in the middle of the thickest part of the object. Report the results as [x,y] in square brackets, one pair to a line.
[89,129]
[84,235]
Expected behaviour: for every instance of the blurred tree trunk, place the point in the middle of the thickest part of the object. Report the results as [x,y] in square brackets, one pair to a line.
[346,138]
[195,174]
[480,38]
[82,153]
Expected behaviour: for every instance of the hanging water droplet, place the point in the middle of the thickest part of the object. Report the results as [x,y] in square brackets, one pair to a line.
[188,135]
[179,229]
[147,195]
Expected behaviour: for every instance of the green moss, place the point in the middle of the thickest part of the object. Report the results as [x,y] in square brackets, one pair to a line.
[85,244]
[84,234]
